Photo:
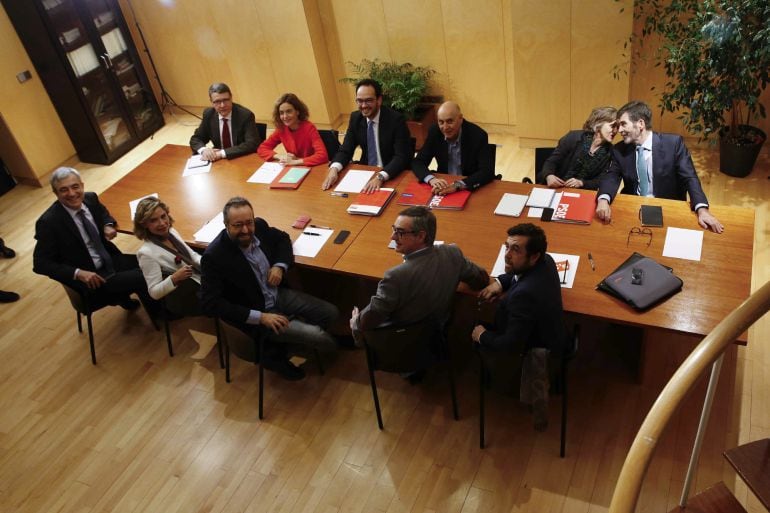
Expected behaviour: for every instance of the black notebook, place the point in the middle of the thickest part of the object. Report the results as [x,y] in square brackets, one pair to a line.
[651,215]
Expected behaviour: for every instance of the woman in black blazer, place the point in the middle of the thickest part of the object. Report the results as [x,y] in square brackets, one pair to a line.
[582,156]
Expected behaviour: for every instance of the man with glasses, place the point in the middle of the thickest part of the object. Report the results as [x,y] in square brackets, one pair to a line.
[652,164]
[242,270]
[381,133]
[424,284]
[228,126]
[528,319]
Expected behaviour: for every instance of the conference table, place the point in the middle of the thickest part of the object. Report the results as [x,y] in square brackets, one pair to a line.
[713,286]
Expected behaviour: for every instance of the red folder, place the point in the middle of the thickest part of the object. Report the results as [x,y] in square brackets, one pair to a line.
[421,194]
[371,204]
[576,207]
[290,178]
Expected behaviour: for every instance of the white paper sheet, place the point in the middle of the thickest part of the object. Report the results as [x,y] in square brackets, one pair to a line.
[540,197]
[196,166]
[354,180]
[133,203]
[266,173]
[499,267]
[211,229]
[682,243]
[538,212]
[310,241]
[573,260]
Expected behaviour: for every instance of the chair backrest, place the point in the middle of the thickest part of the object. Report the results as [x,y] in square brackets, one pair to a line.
[262,131]
[493,157]
[412,147]
[402,349]
[331,139]
[541,155]
[77,300]
[240,343]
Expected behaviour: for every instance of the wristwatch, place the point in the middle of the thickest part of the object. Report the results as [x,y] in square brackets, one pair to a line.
[380,177]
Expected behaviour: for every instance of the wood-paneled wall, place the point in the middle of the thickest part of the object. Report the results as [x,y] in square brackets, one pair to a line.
[531,68]
[33,138]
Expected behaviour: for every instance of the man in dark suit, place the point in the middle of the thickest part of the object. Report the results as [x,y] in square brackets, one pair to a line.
[460,148]
[528,319]
[652,164]
[381,133]
[424,284]
[241,273]
[74,246]
[230,128]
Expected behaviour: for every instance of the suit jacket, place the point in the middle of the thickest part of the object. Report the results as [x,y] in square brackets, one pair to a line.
[229,287]
[530,312]
[423,286]
[243,132]
[673,173]
[564,158]
[477,165]
[393,140]
[156,262]
[60,249]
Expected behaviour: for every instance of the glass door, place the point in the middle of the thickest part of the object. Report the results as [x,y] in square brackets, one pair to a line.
[92,72]
[122,62]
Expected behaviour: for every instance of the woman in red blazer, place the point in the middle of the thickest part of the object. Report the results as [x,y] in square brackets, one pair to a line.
[299,136]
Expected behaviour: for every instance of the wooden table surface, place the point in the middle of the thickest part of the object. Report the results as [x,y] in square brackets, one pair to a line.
[713,286]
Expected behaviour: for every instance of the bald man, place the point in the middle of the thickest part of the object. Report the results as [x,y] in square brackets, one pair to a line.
[460,148]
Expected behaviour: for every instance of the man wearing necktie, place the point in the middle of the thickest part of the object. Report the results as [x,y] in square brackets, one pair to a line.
[381,133]
[74,247]
[228,126]
[652,164]
[528,320]
[460,148]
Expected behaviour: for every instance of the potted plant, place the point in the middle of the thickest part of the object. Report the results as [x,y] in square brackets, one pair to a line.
[716,55]
[404,86]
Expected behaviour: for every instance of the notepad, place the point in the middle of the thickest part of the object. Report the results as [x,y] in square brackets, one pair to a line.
[540,197]
[266,173]
[290,178]
[354,180]
[511,205]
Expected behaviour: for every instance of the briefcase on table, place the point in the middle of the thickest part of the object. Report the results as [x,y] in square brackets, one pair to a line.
[641,282]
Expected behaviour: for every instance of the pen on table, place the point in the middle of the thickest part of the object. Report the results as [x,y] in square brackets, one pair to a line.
[340,194]
[311,233]
[321,227]
[591,260]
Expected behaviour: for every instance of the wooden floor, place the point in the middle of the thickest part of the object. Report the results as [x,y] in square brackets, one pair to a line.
[142,432]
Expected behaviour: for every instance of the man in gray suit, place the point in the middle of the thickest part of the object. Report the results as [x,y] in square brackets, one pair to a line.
[424,285]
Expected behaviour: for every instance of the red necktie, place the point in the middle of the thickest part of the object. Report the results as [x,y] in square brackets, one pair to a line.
[226,142]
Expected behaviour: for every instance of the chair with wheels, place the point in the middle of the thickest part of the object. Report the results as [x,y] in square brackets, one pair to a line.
[558,366]
[406,349]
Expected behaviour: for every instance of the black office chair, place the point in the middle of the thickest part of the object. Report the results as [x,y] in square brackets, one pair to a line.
[174,307]
[84,304]
[262,131]
[493,157]
[558,365]
[541,155]
[248,349]
[331,139]
[406,349]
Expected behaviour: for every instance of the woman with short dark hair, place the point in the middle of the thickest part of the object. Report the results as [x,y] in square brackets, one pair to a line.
[299,137]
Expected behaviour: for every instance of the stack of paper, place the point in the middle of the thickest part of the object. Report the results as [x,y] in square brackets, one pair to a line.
[354,180]
[266,173]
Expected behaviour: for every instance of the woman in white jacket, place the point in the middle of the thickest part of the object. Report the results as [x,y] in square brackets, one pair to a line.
[170,267]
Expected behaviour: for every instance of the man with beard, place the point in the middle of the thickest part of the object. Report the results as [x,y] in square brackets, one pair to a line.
[528,320]
[241,272]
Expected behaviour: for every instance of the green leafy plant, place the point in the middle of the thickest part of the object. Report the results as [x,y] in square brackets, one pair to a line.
[716,55]
[403,84]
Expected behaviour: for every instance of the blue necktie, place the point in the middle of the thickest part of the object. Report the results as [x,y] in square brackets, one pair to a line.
[96,240]
[641,169]
[371,145]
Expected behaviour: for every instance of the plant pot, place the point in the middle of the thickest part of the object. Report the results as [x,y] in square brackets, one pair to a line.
[425,118]
[737,158]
